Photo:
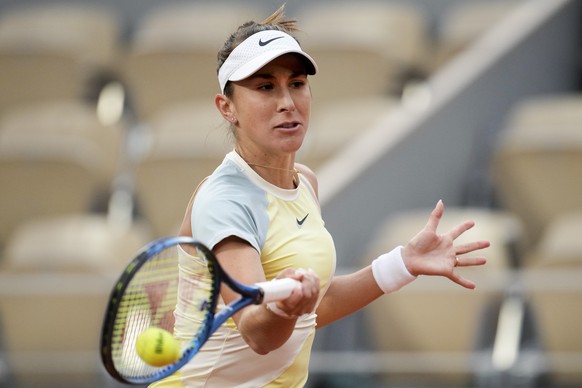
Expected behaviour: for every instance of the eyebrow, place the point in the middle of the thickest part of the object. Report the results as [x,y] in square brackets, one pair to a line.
[271,76]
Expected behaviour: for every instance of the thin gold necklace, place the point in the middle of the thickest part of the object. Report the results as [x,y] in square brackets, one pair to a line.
[294,172]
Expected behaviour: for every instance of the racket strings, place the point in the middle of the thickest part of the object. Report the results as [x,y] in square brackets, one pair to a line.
[170,291]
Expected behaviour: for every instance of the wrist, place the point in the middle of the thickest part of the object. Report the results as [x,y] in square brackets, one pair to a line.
[390,272]
[409,264]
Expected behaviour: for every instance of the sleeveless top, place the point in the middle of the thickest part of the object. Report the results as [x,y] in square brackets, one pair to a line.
[286,228]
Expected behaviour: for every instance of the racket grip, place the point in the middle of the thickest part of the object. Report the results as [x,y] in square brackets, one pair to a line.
[277,289]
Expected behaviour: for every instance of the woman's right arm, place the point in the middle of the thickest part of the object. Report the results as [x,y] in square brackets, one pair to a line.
[260,327]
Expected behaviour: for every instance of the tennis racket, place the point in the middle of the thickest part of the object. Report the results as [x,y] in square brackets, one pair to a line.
[172,284]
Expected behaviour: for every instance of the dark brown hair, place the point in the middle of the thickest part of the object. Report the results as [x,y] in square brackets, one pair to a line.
[276,21]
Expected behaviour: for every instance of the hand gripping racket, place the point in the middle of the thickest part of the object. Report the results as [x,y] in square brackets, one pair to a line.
[173,284]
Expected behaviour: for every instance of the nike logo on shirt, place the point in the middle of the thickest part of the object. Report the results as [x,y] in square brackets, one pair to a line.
[266,42]
[300,222]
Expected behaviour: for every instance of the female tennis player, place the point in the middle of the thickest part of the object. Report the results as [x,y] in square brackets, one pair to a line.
[259,213]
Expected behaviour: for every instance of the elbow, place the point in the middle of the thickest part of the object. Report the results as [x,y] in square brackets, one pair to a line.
[265,336]
[261,350]
[264,347]
[264,344]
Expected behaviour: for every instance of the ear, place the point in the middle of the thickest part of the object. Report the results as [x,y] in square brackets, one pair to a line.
[224,106]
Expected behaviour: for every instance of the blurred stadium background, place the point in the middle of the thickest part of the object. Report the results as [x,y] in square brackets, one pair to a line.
[107,124]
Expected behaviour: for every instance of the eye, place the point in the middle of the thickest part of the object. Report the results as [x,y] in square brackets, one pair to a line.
[298,84]
[266,86]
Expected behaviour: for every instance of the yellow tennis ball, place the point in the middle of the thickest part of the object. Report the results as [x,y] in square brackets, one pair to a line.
[157,347]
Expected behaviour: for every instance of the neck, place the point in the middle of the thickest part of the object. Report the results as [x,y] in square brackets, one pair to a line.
[291,171]
[294,173]
[263,171]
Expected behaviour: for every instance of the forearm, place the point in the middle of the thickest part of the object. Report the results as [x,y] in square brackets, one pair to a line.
[259,327]
[349,293]
[346,295]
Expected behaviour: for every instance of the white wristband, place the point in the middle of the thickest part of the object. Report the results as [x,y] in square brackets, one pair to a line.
[390,272]
[272,307]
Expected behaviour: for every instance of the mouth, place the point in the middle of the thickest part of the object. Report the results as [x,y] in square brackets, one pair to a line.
[290,125]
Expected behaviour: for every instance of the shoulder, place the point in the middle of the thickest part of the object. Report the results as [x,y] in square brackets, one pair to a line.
[228,189]
[229,206]
[310,175]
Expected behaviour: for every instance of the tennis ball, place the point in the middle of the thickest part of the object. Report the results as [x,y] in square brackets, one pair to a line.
[157,347]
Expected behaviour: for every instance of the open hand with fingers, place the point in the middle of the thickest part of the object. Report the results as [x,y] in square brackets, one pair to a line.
[431,253]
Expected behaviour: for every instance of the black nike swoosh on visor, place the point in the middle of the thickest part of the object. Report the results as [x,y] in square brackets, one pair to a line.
[266,42]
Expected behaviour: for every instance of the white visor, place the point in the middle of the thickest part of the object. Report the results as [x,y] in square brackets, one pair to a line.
[258,50]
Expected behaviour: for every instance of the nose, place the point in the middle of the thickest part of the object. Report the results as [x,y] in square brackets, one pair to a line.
[285,102]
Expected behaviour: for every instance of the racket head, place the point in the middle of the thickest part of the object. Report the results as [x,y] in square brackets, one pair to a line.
[154,287]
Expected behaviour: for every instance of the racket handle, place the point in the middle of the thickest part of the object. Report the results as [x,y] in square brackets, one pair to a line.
[277,289]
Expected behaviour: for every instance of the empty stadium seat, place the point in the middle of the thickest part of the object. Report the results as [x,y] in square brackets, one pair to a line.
[172,54]
[50,51]
[538,159]
[363,48]
[50,325]
[560,246]
[464,23]
[55,278]
[536,169]
[79,243]
[555,294]
[186,143]
[55,158]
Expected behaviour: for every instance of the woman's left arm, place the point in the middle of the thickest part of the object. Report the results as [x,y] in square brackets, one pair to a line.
[346,295]
[427,253]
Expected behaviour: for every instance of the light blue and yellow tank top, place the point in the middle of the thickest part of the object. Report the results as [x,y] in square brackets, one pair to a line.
[286,228]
